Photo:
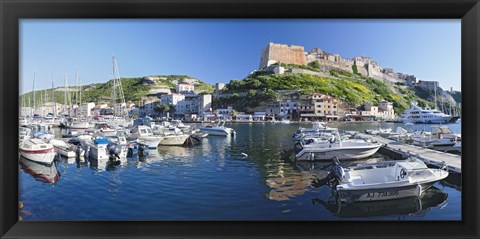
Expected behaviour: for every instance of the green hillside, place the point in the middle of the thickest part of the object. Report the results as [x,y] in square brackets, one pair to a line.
[133,88]
[351,88]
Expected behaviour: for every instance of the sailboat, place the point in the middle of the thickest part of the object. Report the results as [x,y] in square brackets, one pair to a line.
[80,122]
[118,99]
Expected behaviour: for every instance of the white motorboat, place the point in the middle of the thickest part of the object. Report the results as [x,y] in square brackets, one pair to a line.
[65,149]
[179,124]
[102,129]
[38,151]
[174,139]
[219,129]
[384,180]
[417,114]
[322,149]
[95,147]
[285,121]
[351,149]
[144,135]
[80,124]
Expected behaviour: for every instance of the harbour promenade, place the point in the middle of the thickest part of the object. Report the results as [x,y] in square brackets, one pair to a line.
[429,156]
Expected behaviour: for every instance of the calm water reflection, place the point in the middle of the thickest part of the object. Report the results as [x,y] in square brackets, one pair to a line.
[215,181]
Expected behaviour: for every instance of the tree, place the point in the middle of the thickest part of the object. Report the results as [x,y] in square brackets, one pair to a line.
[316,65]
[233,113]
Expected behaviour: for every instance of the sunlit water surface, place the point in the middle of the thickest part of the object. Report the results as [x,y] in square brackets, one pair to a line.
[215,181]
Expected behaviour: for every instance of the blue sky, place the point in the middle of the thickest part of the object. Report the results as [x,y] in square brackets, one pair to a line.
[225,49]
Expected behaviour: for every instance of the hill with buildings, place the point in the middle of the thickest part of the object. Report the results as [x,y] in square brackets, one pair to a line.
[134,90]
[286,72]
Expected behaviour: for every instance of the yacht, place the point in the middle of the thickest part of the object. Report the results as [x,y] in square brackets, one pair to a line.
[417,114]
[219,129]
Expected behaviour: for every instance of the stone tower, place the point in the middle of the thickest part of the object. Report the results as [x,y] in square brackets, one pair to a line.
[274,53]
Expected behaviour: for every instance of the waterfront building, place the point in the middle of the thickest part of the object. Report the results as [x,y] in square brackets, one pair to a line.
[242,117]
[319,107]
[172,99]
[185,88]
[147,106]
[204,103]
[259,116]
[85,109]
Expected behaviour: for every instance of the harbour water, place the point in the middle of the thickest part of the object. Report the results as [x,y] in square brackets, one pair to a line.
[246,177]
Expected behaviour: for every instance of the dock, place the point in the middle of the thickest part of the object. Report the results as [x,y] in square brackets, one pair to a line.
[429,156]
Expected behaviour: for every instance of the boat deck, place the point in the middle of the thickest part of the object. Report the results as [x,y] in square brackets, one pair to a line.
[429,156]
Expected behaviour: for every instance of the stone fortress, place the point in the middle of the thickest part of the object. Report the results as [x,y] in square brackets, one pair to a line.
[366,66]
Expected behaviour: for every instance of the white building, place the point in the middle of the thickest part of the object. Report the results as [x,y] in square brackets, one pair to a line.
[85,109]
[184,107]
[225,112]
[147,106]
[219,87]
[172,99]
[204,103]
[183,88]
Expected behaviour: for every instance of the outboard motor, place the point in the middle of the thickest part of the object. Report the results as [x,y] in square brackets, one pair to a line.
[114,151]
[335,174]
[297,147]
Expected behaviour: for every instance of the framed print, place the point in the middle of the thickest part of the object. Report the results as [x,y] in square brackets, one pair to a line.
[239,119]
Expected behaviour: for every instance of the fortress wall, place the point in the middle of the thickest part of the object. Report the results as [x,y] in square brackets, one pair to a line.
[284,54]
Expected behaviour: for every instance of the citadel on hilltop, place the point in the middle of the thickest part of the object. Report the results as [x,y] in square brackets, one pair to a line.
[282,53]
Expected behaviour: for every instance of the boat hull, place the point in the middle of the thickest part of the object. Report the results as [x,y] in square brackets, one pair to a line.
[40,156]
[310,154]
[176,140]
[381,194]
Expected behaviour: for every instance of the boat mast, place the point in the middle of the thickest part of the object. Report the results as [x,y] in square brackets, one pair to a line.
[53,99]
[114,93]
[34,106]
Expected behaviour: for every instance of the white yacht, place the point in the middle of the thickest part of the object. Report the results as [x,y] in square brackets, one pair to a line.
[417,114]
[219,129]
[384,180]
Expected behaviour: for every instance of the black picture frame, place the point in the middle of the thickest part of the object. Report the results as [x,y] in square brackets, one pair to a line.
[13,10]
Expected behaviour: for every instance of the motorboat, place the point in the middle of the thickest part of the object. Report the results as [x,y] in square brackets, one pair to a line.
[351,149]
[319,129]
[65,149]
[38,150]
[425,115]
[384,180]
[219,129]
[79,124]
[179,124]
[285,121]
[378,131]
[143,134]
[95,147]
[103,129]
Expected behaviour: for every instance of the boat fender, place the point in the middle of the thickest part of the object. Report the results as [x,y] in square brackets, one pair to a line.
[419,190]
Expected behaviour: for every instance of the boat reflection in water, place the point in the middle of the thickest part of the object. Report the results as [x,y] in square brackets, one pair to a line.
[432,197]
[40,172]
